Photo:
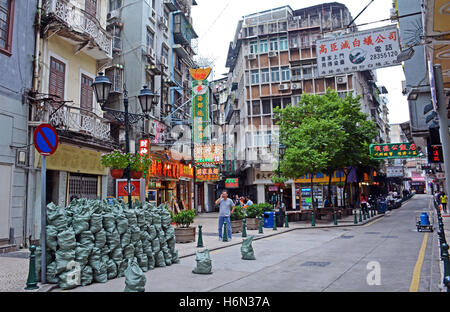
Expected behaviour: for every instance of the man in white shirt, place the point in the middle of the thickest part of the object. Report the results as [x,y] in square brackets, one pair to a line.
[225,211]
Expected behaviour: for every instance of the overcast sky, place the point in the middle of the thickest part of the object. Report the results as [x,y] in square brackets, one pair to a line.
[215,23]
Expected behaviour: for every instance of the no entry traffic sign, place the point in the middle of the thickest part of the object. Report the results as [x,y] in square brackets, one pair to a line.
[45,139]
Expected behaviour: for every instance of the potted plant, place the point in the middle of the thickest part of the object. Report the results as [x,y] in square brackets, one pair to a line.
[236,219]
[278,181]
[184,233]
[138,164]
[253,213]
[116,161]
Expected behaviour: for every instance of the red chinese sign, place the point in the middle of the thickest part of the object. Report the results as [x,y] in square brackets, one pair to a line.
[435,154]
[207,174]
[395,150]
[144,147]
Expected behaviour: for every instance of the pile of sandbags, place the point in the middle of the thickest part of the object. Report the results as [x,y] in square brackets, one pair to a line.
[102,238]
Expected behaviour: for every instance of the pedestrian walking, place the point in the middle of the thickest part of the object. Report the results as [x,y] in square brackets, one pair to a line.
[444,201]
[225,211]
[237,200]
[249,201]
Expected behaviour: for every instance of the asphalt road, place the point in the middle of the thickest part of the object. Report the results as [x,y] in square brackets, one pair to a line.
[387,254]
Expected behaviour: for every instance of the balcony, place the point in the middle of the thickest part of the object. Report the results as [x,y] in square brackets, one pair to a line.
[77,26]
[73,119]
[183,31]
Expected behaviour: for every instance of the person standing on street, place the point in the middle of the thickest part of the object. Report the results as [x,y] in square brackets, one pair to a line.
[444,201]
[225,211]
[249,201]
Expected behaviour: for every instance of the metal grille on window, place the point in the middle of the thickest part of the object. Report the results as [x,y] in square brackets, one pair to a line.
[83,186]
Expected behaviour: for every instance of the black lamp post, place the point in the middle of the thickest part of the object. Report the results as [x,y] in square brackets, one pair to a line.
[281,151]
[147,99]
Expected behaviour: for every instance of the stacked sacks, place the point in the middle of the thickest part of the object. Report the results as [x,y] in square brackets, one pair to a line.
[101,239]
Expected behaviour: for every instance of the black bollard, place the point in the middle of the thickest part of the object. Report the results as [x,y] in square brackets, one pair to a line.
[200,238]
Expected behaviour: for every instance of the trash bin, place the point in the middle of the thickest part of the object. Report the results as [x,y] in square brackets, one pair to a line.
[268,219]
[382,207]
[424,220]
[280,218]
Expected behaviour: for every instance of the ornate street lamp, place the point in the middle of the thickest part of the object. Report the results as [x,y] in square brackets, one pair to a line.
[102,87]
[281,152]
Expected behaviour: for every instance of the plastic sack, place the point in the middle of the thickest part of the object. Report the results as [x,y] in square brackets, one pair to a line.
[51,237]
[152,232]
[143,262]
[100,272]
[82,254]
[87,238]
[121,224]
[96,223]
[134,278]
[87,275]
[247,249]
[121,267]
[52,274]
[203,262]
[109,223]
[111,269]
[80,223]
[135,234]
[131,216]
[170,233]
[100,238]
[159,259]
[56,217]
[113,239]
[71,278]
[175,258]
[116,255]
[151,261]
[128,252]
[148,217]
[66,240]
[140,216]
[63,258]
[156,245]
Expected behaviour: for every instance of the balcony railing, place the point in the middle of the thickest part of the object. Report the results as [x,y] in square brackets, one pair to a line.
[79,21]
[71,118]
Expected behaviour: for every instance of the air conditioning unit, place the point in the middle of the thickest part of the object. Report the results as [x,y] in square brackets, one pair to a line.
[252,56]
[112,15]
[151,53]
[273,54]
[341,79]
[296,86]
[283,86]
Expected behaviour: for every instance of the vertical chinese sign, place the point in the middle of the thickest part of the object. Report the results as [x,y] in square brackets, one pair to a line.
[395,150]
[358,51]
[144,151]
[200,104]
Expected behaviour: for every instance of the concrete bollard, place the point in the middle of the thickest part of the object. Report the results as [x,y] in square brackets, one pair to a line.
[31,281]
[200,238]
[244,228]
[225,232]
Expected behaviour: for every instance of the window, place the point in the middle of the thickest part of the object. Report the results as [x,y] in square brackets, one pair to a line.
[273,27]
[257,139]
[252,31]
[265,77]
[256,108]
[6,25]
[165,52]
[117,43]
[115,75]
[150,38]
[253,47]
[90,6]
[275,74]
[263,47]
[274,44]
[114,4]
[283,43]
[153,4]
[266,106]
[307,72]
[87,92]
[57,78]
[268,138]
[254,77]
[276,103]
[285,73]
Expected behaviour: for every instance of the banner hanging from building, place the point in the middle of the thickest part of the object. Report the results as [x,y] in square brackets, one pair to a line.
[393,150]
[200,104]
[359,51]
[208,154]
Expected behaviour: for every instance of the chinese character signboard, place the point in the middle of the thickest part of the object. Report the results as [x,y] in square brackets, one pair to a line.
[394,171]
[394,150]
[200,104]
[232,183]
[435,154]
[207,174]
[359,51]
[208,154]
[144,147]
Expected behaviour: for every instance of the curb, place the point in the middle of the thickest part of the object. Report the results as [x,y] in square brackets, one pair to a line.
[289,230]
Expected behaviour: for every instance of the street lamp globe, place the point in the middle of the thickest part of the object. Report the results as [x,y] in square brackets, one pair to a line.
[101,86]
[146,99]
[282,149]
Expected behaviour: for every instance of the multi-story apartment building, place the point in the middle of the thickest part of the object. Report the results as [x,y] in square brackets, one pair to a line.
[272,61]
[153,45]
[16,60]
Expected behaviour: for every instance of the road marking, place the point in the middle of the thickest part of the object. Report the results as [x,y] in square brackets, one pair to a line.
[414,287]
[216,251]
[370,223]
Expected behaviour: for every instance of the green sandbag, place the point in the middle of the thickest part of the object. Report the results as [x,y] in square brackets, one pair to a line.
[87,275]
[128,252]
[159,259]
[116,255]
[175,258]
[148,217]
[162,237]
[96,223]
[152,232]
[171,243]
[111,269]
[151,261]
[100,238]
[170,233]
[109,223]
[126,238]
[156,246]
[143,262]
[66,240]
[138,247]
[131,216]
[82,253]
[71,278]
[121,267]
[52,274]
[204,265]
[140,216]
[63,258]
[100,272]
[56,217]
[95,256]
[135,234]
[86,238]
[121,224]
[80,223]
[145,236]
[134,278]
[247,249]
[51,237]
[113,239]
[147,246]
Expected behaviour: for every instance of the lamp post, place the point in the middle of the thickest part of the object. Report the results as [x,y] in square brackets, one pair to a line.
[281,151]
[147,99]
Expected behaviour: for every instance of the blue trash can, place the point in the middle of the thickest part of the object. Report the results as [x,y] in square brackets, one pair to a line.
[424,219]
[382,207]
[268,219]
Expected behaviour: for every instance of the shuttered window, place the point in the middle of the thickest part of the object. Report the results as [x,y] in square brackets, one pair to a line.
[91,7]
[6,25]
[57,78]
[87,91]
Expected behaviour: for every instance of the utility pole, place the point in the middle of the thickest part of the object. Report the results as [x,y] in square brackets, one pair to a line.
[443,123]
